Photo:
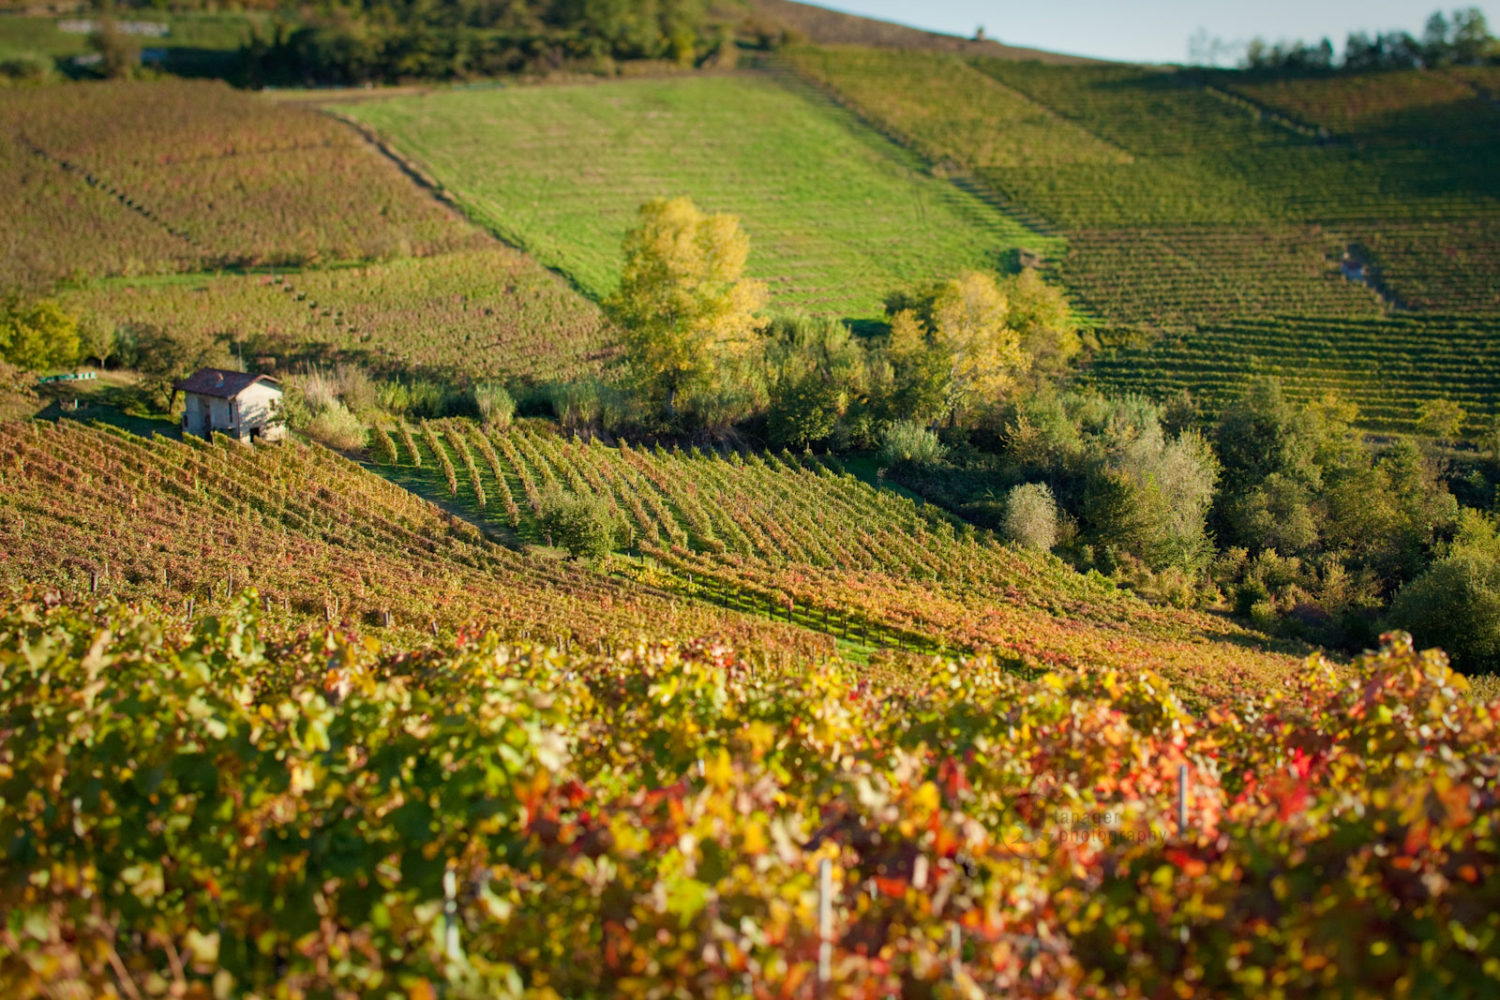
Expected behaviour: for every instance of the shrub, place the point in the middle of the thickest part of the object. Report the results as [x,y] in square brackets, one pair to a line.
[336,427]
[906,441]
[1031,517]
[319,391]
[496,406]
[1455,603]
[584,525]
[25,67]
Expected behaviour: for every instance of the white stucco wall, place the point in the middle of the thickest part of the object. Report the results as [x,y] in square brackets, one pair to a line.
[254,408]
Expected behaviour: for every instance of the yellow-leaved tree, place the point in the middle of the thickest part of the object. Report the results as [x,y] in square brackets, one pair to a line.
[970,321]
[954,341]
[684,305]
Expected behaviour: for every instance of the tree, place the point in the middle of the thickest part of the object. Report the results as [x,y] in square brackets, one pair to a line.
[970,322]
[1039,314]
[1455,603]
[966,322]
[683,303]
[1441,419]
[1031,517]
[37,335]
[814,370]
[119,53]
[919,375]
[584,525]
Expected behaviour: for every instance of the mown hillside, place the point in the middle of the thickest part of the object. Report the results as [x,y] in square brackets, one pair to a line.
[839,215]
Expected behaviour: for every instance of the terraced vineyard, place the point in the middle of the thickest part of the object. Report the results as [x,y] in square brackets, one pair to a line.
[987,124]
[1388,367]
[800,539]
[491,313]
[191,524]
[1227,217]
[139,177]
[837,215]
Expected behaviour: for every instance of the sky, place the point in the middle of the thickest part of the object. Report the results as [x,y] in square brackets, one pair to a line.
[1157,30]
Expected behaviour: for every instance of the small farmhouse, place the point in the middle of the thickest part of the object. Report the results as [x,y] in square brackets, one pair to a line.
[243,406]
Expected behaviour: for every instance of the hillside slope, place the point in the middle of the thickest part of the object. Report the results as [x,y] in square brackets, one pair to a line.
[837,216]
[1321,230]
[798,538]
[823,26]
[316,534]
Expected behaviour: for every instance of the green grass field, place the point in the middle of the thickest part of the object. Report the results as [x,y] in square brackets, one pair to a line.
[837,215]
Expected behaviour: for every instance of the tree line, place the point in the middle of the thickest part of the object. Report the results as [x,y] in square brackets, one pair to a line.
[1461,38]
[389,40]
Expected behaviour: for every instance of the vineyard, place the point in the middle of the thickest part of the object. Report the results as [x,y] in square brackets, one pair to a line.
[132,178]
[190,525]
[1388,368]
[837,216]
[491,313]
[800,539]
[1212,205]
[212,812]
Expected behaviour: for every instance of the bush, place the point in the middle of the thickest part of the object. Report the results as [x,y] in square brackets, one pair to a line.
[25,67]
[336,427]
[584,525]
[1455,604]
[1031,517]
[906,441]
[496,406]
[319,391]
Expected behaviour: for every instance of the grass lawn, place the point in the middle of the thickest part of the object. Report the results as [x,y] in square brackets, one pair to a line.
[837,215]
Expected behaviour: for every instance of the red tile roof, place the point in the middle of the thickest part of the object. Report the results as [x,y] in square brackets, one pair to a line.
[220,383]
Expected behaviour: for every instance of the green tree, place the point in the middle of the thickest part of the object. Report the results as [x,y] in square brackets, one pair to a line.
[1441,419]
[38,335]
[683,303]
[919,371]
[584,525]
[1031,517]
[815,370]
[119,53]
[1040,316]
[962,326]
[1455,603]
[970,323]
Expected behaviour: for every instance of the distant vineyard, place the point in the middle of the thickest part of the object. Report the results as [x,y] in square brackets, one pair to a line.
[952,111]
[174,174]
[490,313]
[208,813]
[1388,368]
[1228,224]
[192,524]
[837,216]
[796,538]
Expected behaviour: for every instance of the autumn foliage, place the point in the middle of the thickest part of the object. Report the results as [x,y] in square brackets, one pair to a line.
[214,813]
